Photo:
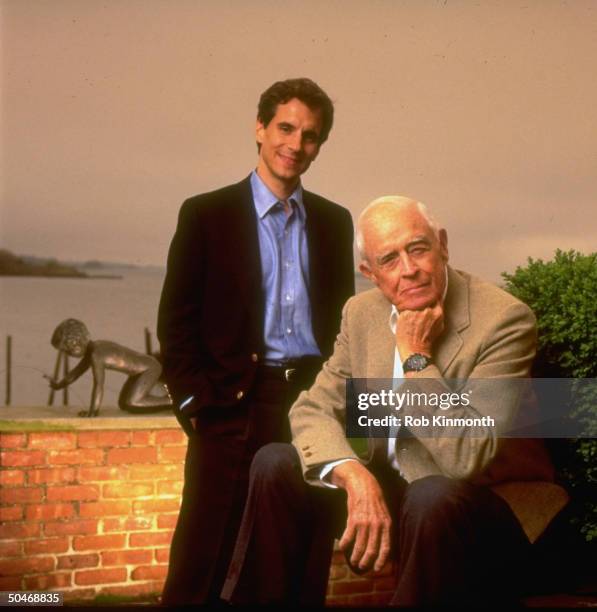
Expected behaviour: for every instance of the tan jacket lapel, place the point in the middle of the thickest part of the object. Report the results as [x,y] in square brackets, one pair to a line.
[457,318]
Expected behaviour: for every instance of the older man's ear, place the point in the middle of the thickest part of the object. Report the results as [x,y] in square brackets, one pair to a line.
[366,271]
[443,242]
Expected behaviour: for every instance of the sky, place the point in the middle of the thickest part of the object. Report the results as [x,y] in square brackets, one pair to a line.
[115,111]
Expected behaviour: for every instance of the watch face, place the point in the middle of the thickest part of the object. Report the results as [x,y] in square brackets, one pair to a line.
[416,363]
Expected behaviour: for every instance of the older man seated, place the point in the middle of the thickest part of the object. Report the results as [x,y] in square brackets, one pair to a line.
[457,512]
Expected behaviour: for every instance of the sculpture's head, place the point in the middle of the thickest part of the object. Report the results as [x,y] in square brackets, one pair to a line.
[72,337]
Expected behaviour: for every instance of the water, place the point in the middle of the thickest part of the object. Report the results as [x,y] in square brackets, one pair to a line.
[117,310]
[31,308]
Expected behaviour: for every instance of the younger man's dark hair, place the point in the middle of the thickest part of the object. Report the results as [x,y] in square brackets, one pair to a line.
[305,90]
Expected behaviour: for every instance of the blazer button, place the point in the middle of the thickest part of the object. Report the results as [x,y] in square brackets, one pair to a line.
[240,395]
[254,358]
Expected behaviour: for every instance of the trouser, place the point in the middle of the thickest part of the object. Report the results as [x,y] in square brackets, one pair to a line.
[454,542]
[218,459]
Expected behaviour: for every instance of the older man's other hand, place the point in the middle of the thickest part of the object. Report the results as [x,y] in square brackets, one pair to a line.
[417,330]
[367,533]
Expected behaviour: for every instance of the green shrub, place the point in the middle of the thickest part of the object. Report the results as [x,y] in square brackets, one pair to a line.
[563,295]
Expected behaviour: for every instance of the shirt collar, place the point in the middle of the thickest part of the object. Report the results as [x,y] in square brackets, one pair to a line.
[394,314]
[264,199]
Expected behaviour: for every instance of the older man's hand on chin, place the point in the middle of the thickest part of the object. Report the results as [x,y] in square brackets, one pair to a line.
[417,330]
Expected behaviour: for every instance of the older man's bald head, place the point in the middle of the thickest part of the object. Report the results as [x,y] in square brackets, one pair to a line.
[403,252]
[390,209]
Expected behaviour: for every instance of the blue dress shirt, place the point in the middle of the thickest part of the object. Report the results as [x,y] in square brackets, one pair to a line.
[288,333]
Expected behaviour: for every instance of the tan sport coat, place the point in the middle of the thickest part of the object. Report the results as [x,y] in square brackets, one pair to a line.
[488,334]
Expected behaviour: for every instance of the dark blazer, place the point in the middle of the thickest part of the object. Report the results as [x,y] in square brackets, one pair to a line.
[210,327]
[210,322]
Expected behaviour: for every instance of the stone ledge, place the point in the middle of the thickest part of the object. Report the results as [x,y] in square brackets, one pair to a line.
[65,418]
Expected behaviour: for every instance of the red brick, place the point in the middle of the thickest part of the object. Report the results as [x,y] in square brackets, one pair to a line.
[333,601]
[370,599]
[128,489]
[100,576]
[142,438]
[73,527]
[45,512]
[172,454]
[43,583]
[155,472]
[132,455]
[75,595]
[51,475]
[149,572]
[338,571]
[162,555]
[12,440]
[53,545]
[124,557]
[135,590]
[78,561]
[136,523]
[80,456]
[55,440]
[166,487]
[156,505]
[167,521]
[12,477]
[17,567]
[11,583]
[384,583]
[21,495]
[11,549]
[19,531]
[170,436]
[22,458]
[352,586]
[99,542]
[11,513]
[131,523]
[74,493]
[103,472]
[158,538]
[98,439]
[107,508]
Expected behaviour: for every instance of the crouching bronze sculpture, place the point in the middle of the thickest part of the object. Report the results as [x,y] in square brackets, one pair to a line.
[142,392]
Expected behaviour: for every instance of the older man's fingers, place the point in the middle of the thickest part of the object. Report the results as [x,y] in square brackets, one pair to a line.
[347,538]
[384,548]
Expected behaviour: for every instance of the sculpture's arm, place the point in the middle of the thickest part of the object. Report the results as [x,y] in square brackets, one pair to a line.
[97,392]
[72,376]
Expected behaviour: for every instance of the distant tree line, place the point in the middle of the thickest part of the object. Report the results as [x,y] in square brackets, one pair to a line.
[13,265]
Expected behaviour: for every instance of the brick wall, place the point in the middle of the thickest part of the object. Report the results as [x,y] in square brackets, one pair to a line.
[88,512]
[348,589]
[91,511]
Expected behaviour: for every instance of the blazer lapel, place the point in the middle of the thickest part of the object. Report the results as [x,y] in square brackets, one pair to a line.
[317,243]
[457,313]
[243,244]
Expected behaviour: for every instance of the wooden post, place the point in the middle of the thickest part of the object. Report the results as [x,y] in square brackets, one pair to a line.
[65,390]
[8,370]
[148,341]
[56,375]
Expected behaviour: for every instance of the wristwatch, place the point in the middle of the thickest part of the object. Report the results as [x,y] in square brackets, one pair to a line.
[415,363]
